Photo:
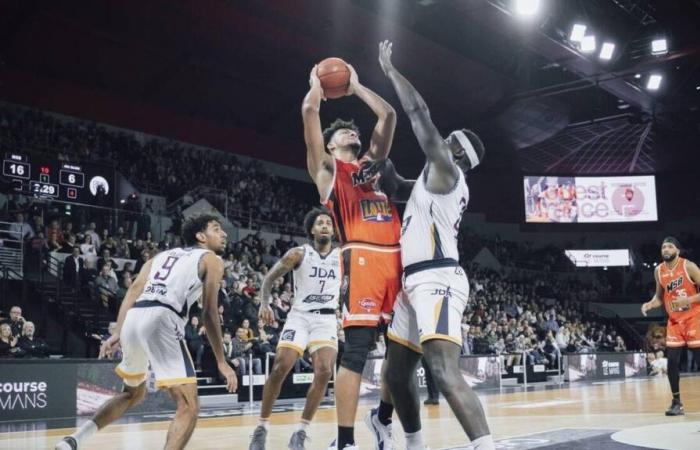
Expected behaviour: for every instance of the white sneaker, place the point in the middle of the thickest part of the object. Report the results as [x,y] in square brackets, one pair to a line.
[383,439]
[334,446]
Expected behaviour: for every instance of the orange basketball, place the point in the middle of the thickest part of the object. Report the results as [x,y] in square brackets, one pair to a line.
[335,77]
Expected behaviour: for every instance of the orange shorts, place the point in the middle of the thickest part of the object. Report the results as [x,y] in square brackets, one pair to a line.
[371,281]
[684,333]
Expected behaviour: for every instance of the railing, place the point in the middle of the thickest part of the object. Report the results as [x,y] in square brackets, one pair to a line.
[11,250]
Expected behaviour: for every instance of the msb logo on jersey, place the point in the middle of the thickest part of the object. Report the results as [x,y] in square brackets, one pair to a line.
[376,210]
[674,284]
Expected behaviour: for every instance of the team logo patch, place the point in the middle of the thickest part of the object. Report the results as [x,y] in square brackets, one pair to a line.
[376,210]
[368,304]
[288,335]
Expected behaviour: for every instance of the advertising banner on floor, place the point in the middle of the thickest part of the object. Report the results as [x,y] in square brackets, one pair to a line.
[480,372]
[601,366]
[29,391]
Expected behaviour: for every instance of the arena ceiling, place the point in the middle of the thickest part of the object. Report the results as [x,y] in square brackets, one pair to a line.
[231,74]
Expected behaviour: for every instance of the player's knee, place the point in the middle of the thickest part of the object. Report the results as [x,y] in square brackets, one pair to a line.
[279,370]
[358,341]
[323,372]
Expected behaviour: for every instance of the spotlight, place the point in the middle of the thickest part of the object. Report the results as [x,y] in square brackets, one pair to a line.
[638,75]
[659,46]
[606,51]
[588,44]
[527,7]
[578,31]
[654,82]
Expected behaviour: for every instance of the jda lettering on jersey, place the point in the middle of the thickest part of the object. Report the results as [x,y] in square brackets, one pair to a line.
[317,280]
[174,278]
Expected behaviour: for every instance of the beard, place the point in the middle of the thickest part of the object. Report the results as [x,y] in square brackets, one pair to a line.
[323,240]
[670,257]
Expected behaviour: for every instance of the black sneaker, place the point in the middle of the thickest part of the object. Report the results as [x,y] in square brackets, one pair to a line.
[431,401]
[676,409]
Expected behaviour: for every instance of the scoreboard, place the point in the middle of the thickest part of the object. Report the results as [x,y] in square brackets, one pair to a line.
[44,177]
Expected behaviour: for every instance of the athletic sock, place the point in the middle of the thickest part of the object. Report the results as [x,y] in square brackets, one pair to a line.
[346,436]
[85,431]
[677,397]
[303,425]
[484,443]
[384,412]
[414,441]
[265,423]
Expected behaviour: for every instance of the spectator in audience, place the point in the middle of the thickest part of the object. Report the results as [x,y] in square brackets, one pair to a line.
[8,342]
[23,229]
[658,364]
[32,346]
[123,250]
[242,349]
[125,283]
[94,237]
[16,321]
[194,333]
[87,248]
[73,268]
[106,287]
[90,273]
[108,243]
[106,259]
[54,236]
[248,334]
[620,344]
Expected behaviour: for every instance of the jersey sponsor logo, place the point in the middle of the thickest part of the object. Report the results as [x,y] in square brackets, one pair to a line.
[320,272]
[313,298]
[442,292]
[376,210]
[368,304]
[674,284]
[288,335]
[156,289]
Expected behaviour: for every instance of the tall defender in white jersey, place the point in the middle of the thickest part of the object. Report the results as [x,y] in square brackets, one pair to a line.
[150,329]
[428,315]
[310,324]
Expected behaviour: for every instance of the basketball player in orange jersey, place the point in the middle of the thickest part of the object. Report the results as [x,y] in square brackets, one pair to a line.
[676,289]
[368,227]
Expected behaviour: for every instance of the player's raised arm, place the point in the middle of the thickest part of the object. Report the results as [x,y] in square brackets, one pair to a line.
[134,292]
[394,185]
[429,138]
[213,273]
[656,301]
[318,161]
[383,134]
[286,264]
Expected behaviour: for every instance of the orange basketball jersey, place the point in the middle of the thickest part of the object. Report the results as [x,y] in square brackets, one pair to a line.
[677,283]
[362,212]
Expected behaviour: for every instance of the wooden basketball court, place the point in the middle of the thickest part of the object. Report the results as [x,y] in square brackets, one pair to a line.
[578,416]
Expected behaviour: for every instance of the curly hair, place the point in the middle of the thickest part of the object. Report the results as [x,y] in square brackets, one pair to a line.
[310,219]
[339,124]
[196,224]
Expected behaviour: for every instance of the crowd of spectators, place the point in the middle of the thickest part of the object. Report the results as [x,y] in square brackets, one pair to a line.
[156,165]
[18,339]
[524,313]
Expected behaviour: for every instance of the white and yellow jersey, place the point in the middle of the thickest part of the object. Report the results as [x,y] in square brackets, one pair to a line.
[174,278]
[431,222]
[317,280]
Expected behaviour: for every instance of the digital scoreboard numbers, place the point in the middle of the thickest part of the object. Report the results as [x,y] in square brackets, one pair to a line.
[43,177]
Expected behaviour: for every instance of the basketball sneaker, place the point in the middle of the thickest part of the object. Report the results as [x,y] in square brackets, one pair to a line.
[297,440]
[258,441]
[383,439]
[676,409]
[334,446]
[68,443]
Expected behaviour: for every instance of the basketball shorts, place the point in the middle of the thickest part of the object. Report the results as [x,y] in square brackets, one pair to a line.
[434,297]
[309,330]
[155,335]
[683,333]
[371,281]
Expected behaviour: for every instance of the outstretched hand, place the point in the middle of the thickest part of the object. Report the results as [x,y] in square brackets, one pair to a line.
[385,57]
[315,81]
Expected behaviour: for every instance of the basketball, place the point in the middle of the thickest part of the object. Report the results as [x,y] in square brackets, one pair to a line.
[335,77]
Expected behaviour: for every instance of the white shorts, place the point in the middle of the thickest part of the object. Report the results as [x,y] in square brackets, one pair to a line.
[306,329]
[156,335]
[430,307]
